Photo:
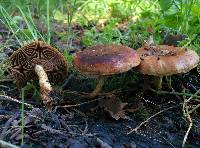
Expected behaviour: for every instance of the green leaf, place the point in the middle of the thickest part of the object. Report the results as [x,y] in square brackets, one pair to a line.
[88,38]
[165,4]
[68,57]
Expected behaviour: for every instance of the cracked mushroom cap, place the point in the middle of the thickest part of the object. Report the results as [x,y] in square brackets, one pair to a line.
[24,60]
[106,59]
[164,60]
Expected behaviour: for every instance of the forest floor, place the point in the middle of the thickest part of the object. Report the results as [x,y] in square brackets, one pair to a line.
[112,119]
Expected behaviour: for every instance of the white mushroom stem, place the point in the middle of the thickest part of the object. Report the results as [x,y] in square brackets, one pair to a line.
[45,86]
[99,86]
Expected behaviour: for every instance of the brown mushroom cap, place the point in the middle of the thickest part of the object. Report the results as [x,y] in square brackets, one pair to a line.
[164,60]
[24,60]
[106,59]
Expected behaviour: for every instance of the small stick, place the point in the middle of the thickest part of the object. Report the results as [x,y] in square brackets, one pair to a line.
[52,131]
[195,108]
[6,144]
[79,104]
[192,96]
[5,116]
[187,113]
[147,120]
[67,81]
[3,97]
[176,93]
[6,80]
[188,130]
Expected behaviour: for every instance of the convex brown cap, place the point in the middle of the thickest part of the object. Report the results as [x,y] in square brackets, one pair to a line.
[164,60]
[24,60]
[106,59]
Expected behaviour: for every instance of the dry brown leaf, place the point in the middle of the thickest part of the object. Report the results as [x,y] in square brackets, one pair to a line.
[114,106]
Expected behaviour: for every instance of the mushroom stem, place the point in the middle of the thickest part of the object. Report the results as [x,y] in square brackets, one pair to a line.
[169,82]
[45,86]
[99,86]
[158,82]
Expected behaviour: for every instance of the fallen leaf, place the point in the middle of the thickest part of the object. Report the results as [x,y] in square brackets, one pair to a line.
[114,106]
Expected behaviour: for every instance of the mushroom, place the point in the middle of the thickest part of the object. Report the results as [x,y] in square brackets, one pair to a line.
[102,60]
[39,61]
[164,60]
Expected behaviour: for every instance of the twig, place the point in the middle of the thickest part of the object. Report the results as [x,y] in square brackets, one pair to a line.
[192,96]
[187,133]
[166,140]
[6,80]
[6,144]
[86,94]
[147,120]
[67,81]
[195,108]
[7,124]
[79,104]
[86,128]
[176,93]
[3,97]
[187,113]
[5,87]
[52,131]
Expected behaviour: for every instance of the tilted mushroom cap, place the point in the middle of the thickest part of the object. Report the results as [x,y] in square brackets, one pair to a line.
[106,59]
[164,60]
[24,60]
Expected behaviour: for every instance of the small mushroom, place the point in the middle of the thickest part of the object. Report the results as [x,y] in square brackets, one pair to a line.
[105,60]
[164,60]
[39,61]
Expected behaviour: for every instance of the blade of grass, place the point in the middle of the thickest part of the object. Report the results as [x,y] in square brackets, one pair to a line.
[19,33]
[33,24]
[27,23]
[48,23]
[9,25]
[13,26]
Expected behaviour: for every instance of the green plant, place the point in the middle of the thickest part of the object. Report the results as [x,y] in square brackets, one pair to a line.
[121,11]
[110,34]
[30,87]
[89,37]
[71,7]
[68,57]
[21,35]
[48,24]
[107,35]
[179,13]
[135,35]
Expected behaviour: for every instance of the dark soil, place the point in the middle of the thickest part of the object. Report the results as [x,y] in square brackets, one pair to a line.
[91,125]
[87,126]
